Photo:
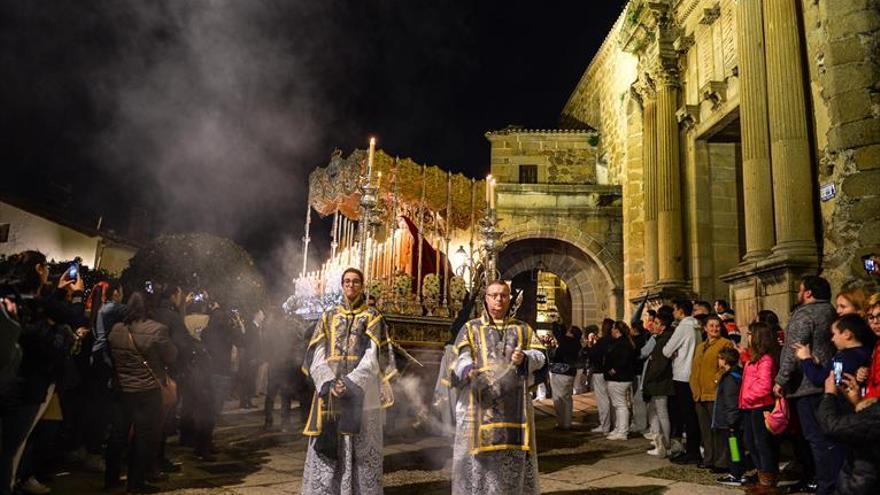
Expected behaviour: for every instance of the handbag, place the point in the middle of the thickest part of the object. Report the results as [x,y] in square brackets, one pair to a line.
[168,387]
[776,420]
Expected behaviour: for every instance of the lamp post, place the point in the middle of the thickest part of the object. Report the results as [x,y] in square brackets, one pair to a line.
[490,234]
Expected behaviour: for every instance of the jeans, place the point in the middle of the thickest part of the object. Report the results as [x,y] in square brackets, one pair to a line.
[735,451]
[658,414]
[684,399]
[563,387]
[715,450]
[763,445]
[828,456]
[142,412]
[621,401]
[600,393]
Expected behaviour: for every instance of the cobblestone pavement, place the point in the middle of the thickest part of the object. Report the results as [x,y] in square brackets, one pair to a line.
[252,461]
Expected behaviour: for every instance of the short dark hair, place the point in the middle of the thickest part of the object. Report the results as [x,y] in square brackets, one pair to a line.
[818,286]
[858,327]
[665,319]
[684,305]
[704,304]
[730,356]
[723,304]
[652,313]
[352,269]
[665,310]
[607,325]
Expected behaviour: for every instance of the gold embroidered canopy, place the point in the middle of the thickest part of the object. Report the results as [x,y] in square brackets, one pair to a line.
[335,187]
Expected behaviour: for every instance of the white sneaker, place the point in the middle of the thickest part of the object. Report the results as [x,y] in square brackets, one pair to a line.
[598,429]
[32,485]
[657,452]
[617,436]
[649,435]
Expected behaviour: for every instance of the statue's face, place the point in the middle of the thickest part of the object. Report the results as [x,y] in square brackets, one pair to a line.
[497,300]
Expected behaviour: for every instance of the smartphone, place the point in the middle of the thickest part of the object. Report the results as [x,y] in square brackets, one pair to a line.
[72,271]
[198,297]
[869,263]
[838,372]
[148,286]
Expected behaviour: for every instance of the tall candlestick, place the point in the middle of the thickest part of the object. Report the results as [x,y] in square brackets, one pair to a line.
[419,241]
[306,240]
[394,215]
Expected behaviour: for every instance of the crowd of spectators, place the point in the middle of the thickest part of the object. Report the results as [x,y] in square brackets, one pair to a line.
[99,377]
[708,394]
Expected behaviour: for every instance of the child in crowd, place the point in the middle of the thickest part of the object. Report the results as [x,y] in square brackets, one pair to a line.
[854,341]
[726,415]
[756,398]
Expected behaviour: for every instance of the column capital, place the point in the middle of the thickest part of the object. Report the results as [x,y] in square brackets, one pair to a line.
[644,87]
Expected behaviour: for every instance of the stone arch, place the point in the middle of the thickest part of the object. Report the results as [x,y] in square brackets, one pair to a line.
[606,259]
[593,292]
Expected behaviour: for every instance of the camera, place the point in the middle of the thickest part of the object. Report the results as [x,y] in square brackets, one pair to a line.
[148,286]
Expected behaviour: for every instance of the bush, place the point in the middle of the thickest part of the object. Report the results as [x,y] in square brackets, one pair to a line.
[199,262]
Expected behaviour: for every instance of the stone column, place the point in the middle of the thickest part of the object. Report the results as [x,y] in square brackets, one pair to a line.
[649,153]
[757,184]
[789,144]
[669,232]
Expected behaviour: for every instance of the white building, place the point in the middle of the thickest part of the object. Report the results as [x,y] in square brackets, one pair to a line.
[24,227]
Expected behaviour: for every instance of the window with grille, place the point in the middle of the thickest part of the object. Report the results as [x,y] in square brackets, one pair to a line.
[528,174]
[4,232]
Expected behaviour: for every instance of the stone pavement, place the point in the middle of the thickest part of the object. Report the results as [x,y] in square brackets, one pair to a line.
[252,461]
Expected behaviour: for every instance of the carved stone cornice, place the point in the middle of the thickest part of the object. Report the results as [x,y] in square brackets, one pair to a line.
[688,116]
[714,92]
[683,43]
[710,15]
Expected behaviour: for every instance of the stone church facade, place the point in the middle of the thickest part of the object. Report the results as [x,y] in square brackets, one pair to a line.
[729,147]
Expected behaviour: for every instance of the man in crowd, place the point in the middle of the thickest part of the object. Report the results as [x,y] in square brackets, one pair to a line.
[809,324]
[498,356]
[680,349]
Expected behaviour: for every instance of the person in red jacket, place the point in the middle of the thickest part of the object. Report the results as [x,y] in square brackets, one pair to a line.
[756,398]
[871,376]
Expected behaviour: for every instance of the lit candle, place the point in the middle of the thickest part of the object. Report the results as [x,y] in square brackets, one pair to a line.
[488,187]
[370,158]
[379,180]
[492,194]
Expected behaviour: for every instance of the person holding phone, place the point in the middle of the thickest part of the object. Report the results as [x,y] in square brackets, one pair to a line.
[854,341]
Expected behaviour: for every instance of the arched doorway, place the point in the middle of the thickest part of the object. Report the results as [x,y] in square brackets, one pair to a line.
[584,293]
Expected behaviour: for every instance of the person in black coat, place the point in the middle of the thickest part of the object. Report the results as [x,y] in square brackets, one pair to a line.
[563,369]
[859,430]
[620,363]
[726,414]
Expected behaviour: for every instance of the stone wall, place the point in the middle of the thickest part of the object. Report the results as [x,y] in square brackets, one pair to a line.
[561,156]
[843,54]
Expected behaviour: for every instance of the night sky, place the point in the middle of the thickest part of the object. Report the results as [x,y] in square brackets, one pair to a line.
[209,115]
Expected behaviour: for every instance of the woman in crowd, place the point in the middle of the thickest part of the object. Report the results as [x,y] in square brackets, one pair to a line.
[851,301]
[703,381]
[870,376]
[45,319]
[756,398]
[859,431]
[563,369]
[141,350]
[597,348]
[620,362]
